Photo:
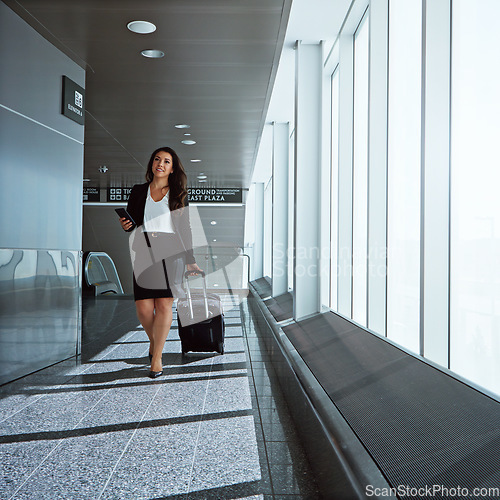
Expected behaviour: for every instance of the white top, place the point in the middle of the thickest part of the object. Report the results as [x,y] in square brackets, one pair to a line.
[157,217]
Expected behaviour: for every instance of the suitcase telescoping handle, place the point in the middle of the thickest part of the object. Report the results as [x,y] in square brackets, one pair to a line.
[188,290]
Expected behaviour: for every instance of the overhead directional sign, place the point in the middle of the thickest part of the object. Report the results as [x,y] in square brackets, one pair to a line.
[195,195]
[215,195]
[91,193]
[119,194]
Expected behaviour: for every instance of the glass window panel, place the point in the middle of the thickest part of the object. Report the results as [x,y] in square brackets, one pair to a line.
[360,173]
[268,227]
[404,142]
[334,193]
[475,206]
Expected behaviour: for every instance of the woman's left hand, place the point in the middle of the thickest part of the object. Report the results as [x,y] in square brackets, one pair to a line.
[194,269]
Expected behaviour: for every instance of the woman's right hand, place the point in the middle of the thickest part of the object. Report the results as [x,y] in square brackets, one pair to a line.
[126,224]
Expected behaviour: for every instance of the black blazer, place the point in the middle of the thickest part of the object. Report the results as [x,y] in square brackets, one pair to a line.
[180,218]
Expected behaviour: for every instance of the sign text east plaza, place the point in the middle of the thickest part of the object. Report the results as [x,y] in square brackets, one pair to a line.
[215,195]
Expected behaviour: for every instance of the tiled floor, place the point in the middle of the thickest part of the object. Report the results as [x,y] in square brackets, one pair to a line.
[213,427]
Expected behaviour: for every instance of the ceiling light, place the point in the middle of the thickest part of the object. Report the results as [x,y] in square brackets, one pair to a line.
[202,180]
[187,134]
[216,284]
[86,180]
[141,27]
[182,125]
[189,142]
[196,161]
[215,239]
[214,222]
[153,53]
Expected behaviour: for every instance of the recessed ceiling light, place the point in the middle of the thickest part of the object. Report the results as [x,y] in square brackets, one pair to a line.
[216,284]
[86,180]
[215,239]
[187,134]
[214,222]
[196,161]
[202,176]
[202,180]
[189,142]
[153,53]
[182,125]
[142,27]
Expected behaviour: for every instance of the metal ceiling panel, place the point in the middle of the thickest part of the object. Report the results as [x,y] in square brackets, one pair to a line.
[220,61]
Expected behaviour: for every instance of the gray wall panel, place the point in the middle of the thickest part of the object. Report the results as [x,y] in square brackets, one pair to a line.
[31,76]
[41,175]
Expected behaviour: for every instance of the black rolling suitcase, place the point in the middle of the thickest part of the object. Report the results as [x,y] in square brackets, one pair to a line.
[206,335]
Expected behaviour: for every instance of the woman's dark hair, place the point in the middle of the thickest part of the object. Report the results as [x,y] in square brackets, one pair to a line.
[177,180]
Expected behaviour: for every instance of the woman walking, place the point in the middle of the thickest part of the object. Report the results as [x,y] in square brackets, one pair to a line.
[158,209]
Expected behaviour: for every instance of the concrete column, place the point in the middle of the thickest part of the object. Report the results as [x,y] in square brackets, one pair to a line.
[377,172]
[308,75]
[434,300]
[280,208]
[258,249]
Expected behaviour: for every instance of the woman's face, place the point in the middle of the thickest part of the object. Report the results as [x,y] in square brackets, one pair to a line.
[162,165]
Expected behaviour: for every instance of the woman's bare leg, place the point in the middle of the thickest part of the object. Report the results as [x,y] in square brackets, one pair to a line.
[145,312]
[161,327]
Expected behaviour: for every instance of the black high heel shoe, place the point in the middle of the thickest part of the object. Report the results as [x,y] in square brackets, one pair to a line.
[153,374]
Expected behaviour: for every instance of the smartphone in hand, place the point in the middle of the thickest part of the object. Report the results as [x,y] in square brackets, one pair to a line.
[123,213]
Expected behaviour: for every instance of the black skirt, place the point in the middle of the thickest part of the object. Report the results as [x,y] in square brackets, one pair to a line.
[156,275]
[163,277]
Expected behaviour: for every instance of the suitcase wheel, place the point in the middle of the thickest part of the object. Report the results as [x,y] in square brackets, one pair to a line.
[221,348]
